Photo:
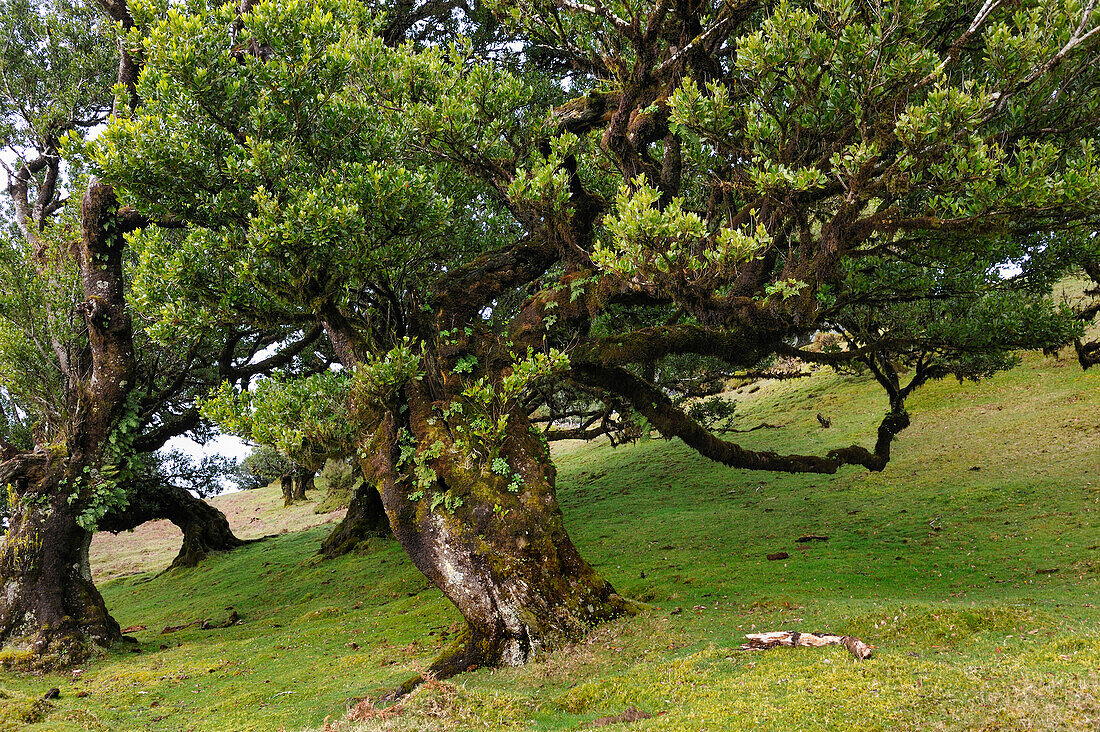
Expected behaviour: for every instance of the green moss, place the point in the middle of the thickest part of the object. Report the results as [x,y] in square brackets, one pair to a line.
[15,658]
[19,710]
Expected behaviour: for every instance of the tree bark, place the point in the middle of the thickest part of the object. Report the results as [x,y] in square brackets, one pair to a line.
[49,608]
[304,481]
[287,484]
[51,613]
[205,528]
[366,517]
[502,556]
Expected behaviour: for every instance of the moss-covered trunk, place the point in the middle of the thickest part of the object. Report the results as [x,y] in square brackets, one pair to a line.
[495,545]
[205,528]
[303,481]
[366,517]
[51,613]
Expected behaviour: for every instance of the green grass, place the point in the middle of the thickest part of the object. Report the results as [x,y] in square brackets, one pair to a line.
[934,561]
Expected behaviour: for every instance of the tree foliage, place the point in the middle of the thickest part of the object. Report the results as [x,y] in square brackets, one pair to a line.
[566,228]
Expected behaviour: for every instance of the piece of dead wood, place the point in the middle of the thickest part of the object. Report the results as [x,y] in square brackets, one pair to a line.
[630,715]
[811,537]
[174,628]
[777,556]
[761,641]
[132,629]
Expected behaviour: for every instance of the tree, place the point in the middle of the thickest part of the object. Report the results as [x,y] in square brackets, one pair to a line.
[51,608]
[641,182]
[163,487]
[265,464]
[86,398]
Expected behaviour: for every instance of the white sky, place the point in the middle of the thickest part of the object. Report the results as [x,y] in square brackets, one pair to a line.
[227,445]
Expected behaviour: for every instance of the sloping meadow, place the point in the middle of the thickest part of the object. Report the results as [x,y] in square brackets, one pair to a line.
[972,564]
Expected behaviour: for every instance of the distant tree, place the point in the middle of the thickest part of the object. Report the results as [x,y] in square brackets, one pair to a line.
[299,424]
[267,465]
[163,487]
[635,182]
[1085,252]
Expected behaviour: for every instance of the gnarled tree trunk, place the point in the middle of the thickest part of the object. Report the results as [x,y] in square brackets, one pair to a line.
[304,481]
[366,517]
[49,607]
[51,613]
[286,483]
[500,553]
[205,528]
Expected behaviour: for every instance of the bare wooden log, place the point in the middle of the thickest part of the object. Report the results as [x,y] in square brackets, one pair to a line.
[761,641]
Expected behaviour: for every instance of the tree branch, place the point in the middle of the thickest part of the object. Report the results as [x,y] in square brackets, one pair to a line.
[600,11]
[673,422]
[465,290]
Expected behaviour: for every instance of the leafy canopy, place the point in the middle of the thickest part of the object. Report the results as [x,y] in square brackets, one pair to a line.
[725,178]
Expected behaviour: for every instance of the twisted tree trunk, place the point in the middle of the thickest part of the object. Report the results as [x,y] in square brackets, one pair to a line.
[205,528]
[51,614]
[304,481]
[366,517]
[286,483]
[501,554]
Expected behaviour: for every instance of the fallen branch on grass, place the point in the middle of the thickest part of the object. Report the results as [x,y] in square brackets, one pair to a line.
[762,641]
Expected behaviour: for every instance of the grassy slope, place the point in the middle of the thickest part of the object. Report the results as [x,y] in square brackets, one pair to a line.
[934,561]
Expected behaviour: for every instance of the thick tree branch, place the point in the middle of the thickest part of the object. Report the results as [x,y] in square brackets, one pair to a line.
[599,10]
[955,50]
[651,344]
[283,357]
[673,422]
[466,290]
[19,186]
[29,466]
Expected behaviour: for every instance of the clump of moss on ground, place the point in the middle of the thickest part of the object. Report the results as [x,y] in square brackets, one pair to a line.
[17,711]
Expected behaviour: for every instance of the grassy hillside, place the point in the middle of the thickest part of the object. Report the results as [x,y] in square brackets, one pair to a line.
[972,563]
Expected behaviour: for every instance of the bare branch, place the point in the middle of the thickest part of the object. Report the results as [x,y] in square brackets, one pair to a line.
[954,52]
[599,10]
